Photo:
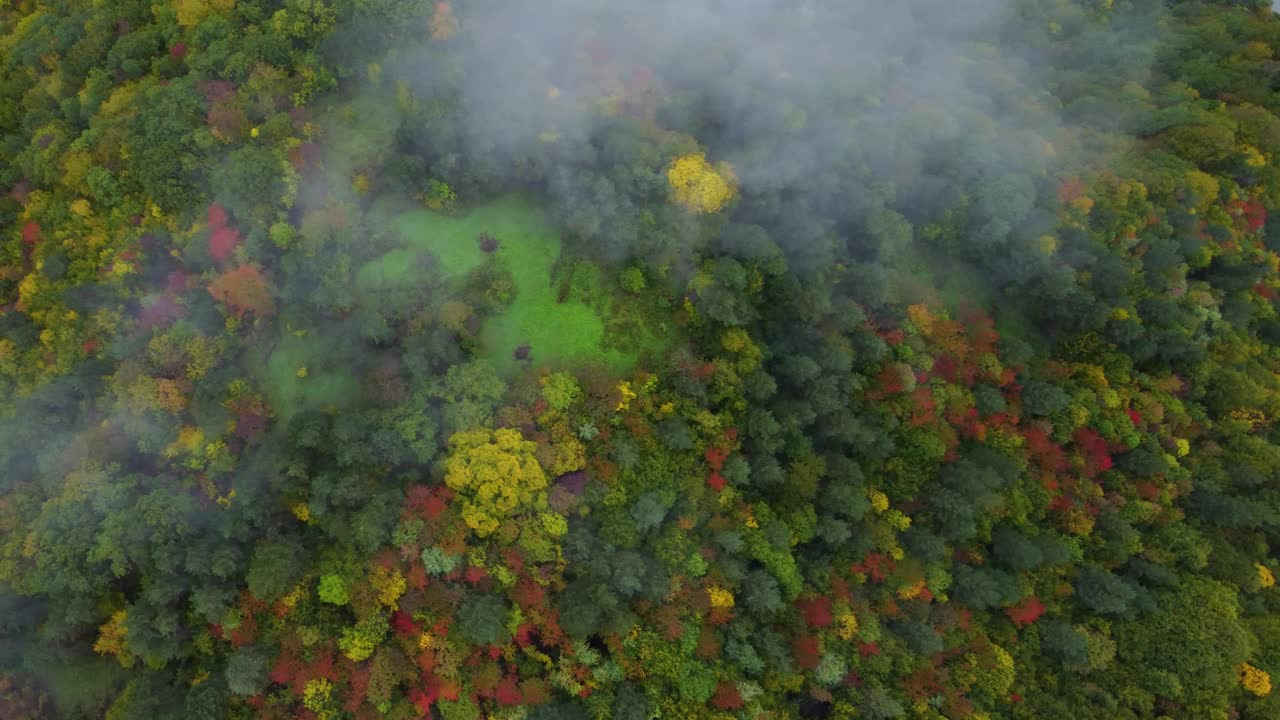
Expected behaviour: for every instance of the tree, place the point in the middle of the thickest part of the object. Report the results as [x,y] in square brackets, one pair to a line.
[497,476]
[275,569]
[160,149]
[1026,612]
[1194,636]
[191,12]
[560,390]
[878,704]
[1065,644]
[21,698]
[698,186]
[246,671]
[482,620]
[1015,549]
[333,590]
[983,588]
[470,391]
[1255,681]
[244,289]
[248,181]
[1104,592]
[444,24]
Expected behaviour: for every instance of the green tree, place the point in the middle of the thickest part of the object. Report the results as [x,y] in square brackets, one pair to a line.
[482,620]
[275,568]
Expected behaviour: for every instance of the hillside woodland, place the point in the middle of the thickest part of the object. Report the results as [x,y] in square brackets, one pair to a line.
[691,360]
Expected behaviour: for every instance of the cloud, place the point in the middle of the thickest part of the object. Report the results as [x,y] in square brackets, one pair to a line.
[817,105]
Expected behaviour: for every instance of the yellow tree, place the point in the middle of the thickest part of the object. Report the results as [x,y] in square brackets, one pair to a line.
[497,476]
[113,638]
[699,186]
[191,12]
[1254,680]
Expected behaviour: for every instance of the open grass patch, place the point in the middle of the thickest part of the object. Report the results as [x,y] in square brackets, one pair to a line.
[559,314]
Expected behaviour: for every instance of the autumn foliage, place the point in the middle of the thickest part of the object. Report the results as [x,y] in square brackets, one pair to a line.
[790,468]
[700,187]
[244,290]
[1026,612]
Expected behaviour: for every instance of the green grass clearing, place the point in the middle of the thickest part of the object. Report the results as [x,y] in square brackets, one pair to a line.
[563,333]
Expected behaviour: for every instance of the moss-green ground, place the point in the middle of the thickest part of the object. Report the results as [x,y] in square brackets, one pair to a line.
[558,333]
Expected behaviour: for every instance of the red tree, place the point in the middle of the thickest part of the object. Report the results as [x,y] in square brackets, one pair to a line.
[508,692]
[1255,215]
[1045,452]
[715,457]
[1025,612]
[816,611]
[1094,448]
[217,216]
[222,243]
[804,650]
[357,685]
[727,697]
[1070,189]
[244,290]
[404,625]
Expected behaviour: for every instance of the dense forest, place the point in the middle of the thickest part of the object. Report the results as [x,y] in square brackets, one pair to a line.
[676,359]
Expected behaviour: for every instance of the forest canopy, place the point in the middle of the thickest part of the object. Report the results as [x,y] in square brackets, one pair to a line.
[682,359]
